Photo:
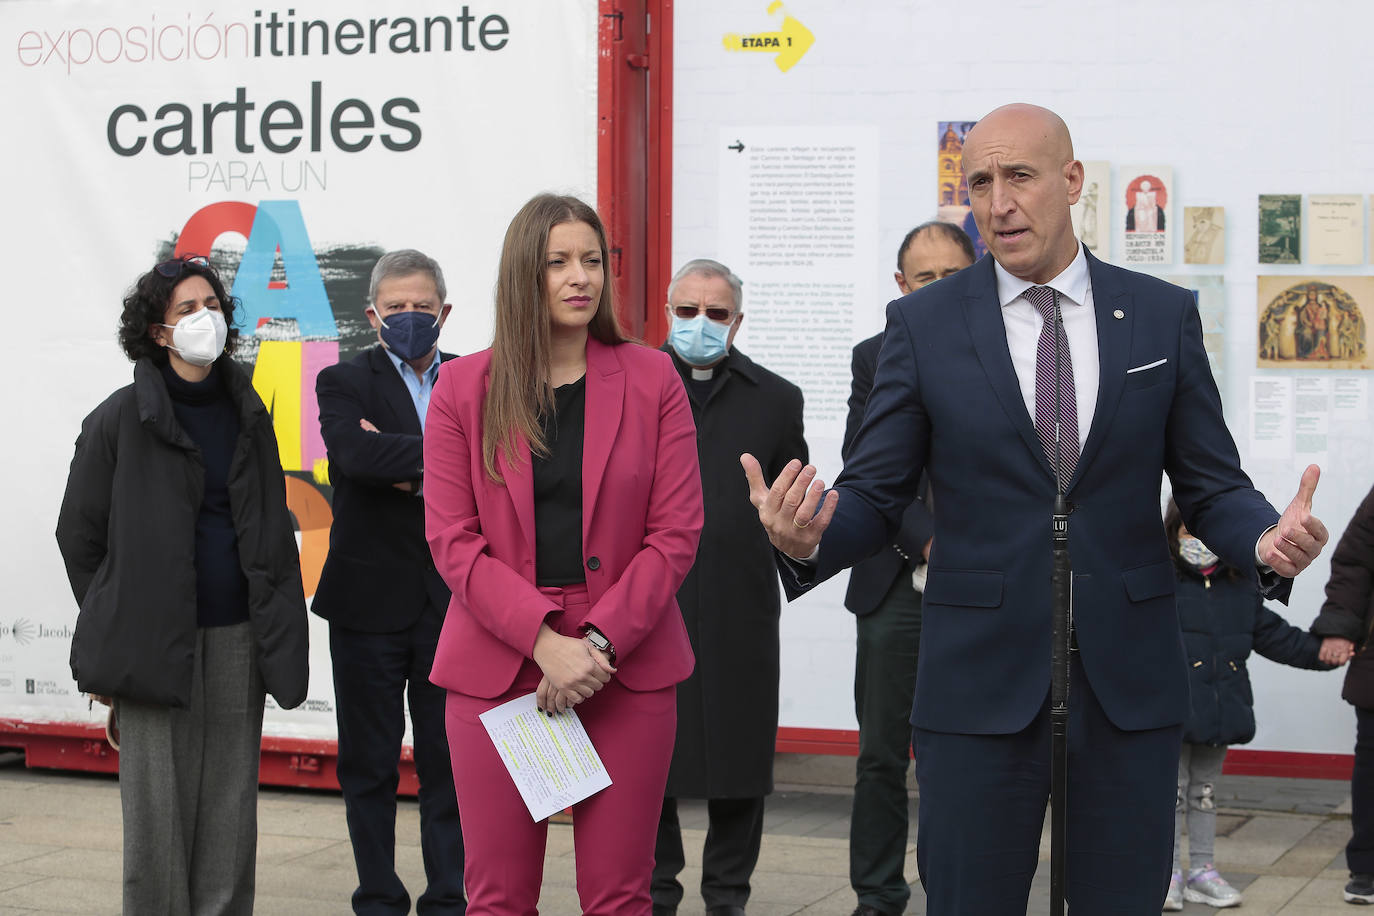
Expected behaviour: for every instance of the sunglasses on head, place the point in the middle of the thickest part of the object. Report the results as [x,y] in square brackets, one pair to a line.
[715,313]
[172,269]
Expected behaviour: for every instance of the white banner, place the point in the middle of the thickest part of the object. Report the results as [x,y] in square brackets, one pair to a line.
[294,144]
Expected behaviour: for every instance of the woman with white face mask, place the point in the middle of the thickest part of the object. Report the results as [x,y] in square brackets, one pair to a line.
[182,556]
[1223,618]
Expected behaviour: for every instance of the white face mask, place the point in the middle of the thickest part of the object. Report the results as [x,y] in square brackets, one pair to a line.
[199,337]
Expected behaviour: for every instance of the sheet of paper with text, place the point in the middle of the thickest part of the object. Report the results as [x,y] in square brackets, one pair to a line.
[551,759]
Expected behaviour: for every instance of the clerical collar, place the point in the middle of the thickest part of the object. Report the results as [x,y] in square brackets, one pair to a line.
[703,375]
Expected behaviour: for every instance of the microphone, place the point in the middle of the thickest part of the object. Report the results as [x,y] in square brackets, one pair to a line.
[1061,629]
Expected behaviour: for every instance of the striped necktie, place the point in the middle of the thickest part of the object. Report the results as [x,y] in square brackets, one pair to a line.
[1060,441]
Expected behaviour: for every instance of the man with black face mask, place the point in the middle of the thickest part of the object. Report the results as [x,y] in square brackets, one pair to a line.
[380,593]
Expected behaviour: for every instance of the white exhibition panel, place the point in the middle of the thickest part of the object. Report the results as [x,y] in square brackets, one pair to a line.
[1268,103]
[472,109]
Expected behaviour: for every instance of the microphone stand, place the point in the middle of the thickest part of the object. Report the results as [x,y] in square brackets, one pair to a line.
[1061,610]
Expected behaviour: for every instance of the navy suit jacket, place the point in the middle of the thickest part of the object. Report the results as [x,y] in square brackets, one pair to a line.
[870,579]
[378,574]
[946,401]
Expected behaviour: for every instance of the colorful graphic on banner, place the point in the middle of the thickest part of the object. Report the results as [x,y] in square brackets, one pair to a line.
[952,190]
[290,331]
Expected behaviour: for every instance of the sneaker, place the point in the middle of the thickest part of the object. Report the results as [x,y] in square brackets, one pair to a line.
[1173,901]
[1206,886]
[1360,889]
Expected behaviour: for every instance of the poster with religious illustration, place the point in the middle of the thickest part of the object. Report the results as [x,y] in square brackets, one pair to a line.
[1335,229]
[1204,235]
[952,204]
[1314,322]
[1092,215]
[1147,223]
[1280,228]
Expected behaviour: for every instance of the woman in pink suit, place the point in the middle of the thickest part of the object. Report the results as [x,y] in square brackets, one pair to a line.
[563,507]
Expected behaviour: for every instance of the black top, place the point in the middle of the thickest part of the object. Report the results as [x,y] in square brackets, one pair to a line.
[208,415]
[558,490]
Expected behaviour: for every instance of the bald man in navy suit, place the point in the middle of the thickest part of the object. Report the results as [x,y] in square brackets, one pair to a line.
[955,396]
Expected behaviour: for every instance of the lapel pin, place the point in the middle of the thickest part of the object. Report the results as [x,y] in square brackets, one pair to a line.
[1118,314]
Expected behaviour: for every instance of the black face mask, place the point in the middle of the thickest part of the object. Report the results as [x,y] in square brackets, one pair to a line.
[410,335]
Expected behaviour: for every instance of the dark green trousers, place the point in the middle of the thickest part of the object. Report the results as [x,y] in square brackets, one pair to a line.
[884,683]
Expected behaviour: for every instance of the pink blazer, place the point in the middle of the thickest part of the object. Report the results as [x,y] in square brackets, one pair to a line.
[641,519]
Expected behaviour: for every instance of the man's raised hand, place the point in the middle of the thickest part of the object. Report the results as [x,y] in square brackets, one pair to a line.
[1294,543]
[788,509]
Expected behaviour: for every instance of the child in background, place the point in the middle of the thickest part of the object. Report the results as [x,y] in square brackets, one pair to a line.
[1223,618]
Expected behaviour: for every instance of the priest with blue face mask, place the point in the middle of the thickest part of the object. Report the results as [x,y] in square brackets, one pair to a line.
[728,708]
[384,601]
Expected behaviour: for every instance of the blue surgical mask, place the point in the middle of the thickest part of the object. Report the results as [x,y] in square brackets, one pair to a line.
[699,341]
[410,335]
[1195,553]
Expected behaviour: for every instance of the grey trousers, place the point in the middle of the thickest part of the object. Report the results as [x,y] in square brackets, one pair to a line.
[1199,767]
[188,786]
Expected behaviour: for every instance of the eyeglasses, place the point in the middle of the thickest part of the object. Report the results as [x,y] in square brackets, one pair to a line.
[715,312]
[172,269]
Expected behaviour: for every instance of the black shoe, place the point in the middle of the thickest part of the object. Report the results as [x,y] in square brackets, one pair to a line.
[726,911]
[864,909]
[1360,890]
[660,910]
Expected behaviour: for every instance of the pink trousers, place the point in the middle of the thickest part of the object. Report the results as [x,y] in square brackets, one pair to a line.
[613,830]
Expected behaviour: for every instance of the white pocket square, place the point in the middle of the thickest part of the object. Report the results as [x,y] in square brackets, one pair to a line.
[1158,362]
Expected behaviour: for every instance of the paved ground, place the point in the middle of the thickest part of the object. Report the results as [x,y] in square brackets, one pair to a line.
[1280,841]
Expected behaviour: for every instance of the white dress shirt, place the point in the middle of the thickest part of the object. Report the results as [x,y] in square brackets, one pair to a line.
[1023,323]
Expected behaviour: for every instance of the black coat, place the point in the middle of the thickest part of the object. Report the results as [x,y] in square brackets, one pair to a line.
[727,711]
[1223,619]
[1348,611]
[870,579]
[378,573]
[127,535]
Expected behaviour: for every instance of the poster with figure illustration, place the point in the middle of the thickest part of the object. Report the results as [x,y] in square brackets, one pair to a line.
[1148,221]
[1204,235]
[1314,322]
[1280,228]
[951,200]
[1092,215]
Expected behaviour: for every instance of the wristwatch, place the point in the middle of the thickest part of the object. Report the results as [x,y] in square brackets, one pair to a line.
[599,640]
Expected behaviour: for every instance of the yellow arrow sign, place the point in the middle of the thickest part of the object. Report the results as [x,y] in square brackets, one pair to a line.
[789,44]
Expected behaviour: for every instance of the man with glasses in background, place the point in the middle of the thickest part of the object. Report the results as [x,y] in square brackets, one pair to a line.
[728,709]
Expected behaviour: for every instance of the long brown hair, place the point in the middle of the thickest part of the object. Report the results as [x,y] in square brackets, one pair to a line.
[520,390]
